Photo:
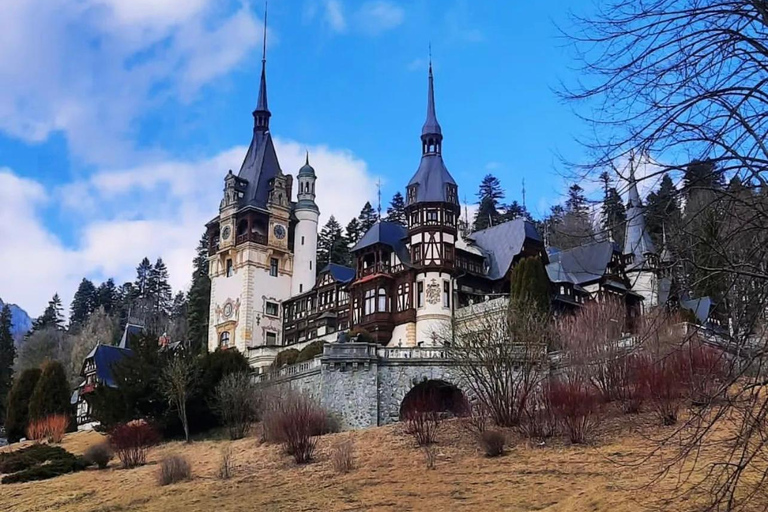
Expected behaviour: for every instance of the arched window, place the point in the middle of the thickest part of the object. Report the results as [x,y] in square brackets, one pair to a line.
[382,305]
[224,339]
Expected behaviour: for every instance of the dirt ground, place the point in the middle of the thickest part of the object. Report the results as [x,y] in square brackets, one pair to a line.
[390,475]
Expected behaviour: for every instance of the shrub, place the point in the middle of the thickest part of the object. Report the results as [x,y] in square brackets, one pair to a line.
[703,369]
[538,420]
[430,455]
[99,455]
[50,469]
[311,351]
[422,418]
[284,358]
[226,466]
[51,394]
[476,420]
[173,469]
[662,385]
[294,420]
[342,456]
[492,442]
[52,428]
[236,402]
[131,442]
[575,404]
[11,462]
[17,413]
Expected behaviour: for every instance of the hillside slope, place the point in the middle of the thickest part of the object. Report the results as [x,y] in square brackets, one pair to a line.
[390,476]
[20,321]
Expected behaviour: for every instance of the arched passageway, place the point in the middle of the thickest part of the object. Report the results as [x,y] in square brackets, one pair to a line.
[434,396]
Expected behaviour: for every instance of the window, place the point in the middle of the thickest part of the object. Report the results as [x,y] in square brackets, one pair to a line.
[310,264]
[271,338]
[416,253]
[420,294]
[273,267]
[302,240]
[446,294]
[271,308]
[301,288]
[369,304]
[448,252]
[431,215]
[402,296]
[230,269]
[382,306]
[224,339]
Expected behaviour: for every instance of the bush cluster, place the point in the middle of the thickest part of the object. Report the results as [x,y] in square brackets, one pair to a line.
[38,462]
[52,428]
[99,455]
[294,420]
[311,351]
[132,441]
[493,442]
[173,469]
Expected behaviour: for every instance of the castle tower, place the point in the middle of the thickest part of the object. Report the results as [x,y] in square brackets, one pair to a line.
[432,207]
[250,250]
[305,241]
[643,265]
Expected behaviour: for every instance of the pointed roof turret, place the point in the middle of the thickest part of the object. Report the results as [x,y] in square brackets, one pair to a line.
[431,127]
[432,181]
[262,114]
[637,240]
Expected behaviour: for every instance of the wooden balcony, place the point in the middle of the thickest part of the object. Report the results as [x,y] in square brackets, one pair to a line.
[257,238]
[381,268]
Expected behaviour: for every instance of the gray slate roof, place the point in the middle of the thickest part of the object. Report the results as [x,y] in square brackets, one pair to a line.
[432,178]
[259,167]
[388,233]
[637,240]
[582,264]
[700,307]
[502,243]
[340,273]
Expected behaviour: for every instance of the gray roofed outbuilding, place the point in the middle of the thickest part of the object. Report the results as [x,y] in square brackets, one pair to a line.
[581,265]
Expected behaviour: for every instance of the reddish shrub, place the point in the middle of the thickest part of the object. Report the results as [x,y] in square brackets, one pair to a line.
[51,427]
[661,385]
[294,420]
[538,420]
[131,442]
[575,404]
[703,369]
[422,418]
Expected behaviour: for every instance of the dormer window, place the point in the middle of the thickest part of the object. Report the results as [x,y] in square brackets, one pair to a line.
[411,192]
[451,194]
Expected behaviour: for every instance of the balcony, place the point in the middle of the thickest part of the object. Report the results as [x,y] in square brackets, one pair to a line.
[380,268]
[257,238]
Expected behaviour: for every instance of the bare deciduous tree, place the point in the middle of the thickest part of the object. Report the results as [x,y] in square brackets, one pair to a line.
[500,348]
[236,403]
[178,377]
[686,80]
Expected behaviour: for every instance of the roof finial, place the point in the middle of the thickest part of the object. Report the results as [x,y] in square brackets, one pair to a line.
[430,57]
[378,187]
[307,162]
[261,115]
[524,194]
[264,44]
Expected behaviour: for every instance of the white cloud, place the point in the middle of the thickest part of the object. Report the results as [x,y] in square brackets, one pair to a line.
[91,69]
[334,15]
[157,209]
[377,16]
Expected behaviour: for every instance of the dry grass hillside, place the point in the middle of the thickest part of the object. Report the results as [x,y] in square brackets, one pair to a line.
[390,475]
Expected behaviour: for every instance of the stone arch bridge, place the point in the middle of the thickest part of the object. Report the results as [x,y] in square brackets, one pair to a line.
[365,384]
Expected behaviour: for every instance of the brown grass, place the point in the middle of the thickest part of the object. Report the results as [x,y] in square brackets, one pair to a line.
[389,476]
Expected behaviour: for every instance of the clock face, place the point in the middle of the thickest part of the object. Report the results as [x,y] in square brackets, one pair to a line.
[226,232]
[228,310]
[279,231]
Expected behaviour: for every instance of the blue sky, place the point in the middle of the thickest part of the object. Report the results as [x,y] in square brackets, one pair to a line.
[120,118]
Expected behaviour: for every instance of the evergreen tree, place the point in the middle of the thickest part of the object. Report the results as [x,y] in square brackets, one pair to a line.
[143,272]
[702,174]
[489,195]
[83,304]
[52,317]
[396,210]
[662,211]
[178,330]
[51,394]
[576,202]
[570,226]
[199,299]
[331,245]
[17,414]
[367,218]
[353,233]
[514,210]
[613,212]
[159,289]
[7,357]
[107,296]
[529,284]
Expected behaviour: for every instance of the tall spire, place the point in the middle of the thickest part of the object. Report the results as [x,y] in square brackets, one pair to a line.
[431,134]
[637,240]
[262,114]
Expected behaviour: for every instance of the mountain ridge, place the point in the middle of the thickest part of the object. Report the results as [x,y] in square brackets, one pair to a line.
[21,322]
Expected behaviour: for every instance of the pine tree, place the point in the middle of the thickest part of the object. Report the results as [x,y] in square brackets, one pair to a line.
[662,211]
[367,217]
[178,330]
[489,195]
[396,210]
[107,296]
[143,272]
[614,215]
[83,304]
[576,202]
[52,317]
[51,394]
[158,297]
[331,245]
[353,232]
[199,299]
[514,210]
[702,174]
[7,357]
[17,414]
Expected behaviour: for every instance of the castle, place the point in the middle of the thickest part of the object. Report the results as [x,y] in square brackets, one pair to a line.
[267,293]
